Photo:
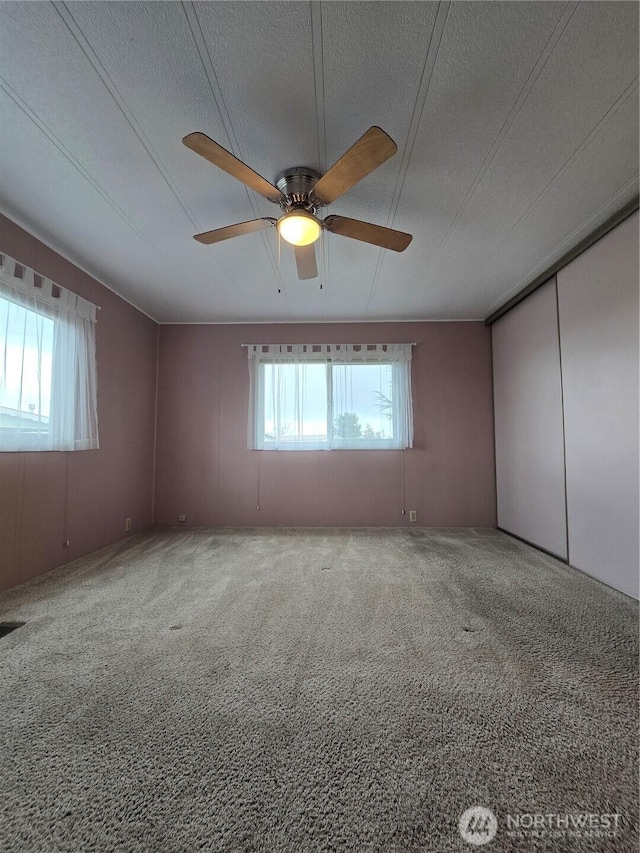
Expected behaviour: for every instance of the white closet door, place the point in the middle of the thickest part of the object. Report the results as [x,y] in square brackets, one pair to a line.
[528,422]
[598,307]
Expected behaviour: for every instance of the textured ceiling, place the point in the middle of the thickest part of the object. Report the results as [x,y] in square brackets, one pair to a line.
[516,125]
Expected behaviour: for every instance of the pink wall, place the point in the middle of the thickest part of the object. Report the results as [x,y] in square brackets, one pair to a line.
[203,468]
[84,496]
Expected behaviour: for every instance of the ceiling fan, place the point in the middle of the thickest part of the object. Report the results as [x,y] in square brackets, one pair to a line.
[301,192]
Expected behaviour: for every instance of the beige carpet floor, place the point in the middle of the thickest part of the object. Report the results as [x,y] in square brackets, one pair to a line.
[318,690]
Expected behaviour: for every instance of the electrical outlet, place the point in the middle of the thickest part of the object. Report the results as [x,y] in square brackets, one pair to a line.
[182,518]
[127,524]
[413,515]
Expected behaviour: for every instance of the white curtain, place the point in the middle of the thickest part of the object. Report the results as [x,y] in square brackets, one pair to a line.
[48,384]
[330,396]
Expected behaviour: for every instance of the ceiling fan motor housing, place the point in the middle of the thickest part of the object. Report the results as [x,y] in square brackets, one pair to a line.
[296,185]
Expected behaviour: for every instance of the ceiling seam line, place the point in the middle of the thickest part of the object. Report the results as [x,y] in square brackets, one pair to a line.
[103,75]
[216,90]
[93,59]
[202,49]
[212,79]
[420,102]
[53,139]
[317,47]
[435,39]
[597,129]
[505,130]
[568,241]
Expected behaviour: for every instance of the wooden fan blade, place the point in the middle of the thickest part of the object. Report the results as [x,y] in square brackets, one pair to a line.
[228,231]
[369,152]
[306,261]
[223,159]
[386,238]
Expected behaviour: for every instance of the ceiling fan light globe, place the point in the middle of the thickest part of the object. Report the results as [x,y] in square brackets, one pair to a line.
[299,228]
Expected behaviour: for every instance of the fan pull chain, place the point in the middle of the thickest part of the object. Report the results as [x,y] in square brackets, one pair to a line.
[279,263]
[259,484]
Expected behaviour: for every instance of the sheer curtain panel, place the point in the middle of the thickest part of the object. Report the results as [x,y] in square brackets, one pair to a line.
[48,384]
[330,397]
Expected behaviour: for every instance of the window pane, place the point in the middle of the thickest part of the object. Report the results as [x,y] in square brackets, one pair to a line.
[295,404]
[25,377]
[363,402]
[343,400]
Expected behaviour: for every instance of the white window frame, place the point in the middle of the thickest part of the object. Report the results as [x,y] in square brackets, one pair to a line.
[73,419]
[396,355]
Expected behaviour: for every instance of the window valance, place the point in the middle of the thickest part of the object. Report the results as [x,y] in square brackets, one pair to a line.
[330,352]
[15,276]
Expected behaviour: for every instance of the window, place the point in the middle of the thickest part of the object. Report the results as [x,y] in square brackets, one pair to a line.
[47,364]
[330,396]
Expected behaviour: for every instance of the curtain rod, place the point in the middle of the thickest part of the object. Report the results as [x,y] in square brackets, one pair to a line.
[411,344]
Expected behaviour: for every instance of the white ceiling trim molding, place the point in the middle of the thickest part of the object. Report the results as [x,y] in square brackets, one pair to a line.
[54,248]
